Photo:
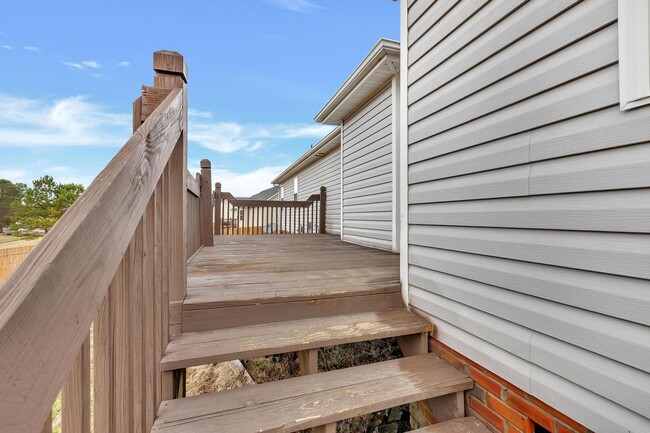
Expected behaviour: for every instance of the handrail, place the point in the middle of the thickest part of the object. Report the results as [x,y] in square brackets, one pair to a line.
[48,304]
[233,216]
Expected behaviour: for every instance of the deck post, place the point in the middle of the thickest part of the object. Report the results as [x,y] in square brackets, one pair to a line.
[206,203]
[217,209]
[323,204]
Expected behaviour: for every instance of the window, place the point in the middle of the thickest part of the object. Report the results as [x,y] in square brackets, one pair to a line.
[295,188]
[634,53]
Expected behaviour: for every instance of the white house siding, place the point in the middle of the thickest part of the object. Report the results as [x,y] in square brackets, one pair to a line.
[529,201]
[324,172]
[367,174]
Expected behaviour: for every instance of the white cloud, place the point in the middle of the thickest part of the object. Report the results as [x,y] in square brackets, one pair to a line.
[124,63]
[7,47]
[73,65]
[91,64]
[72,121]
[14,175]
[3,34]
[302,6]
[246,184]
[231,137]
[30,48]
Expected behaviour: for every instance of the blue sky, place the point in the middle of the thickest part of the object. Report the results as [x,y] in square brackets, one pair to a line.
[259,71]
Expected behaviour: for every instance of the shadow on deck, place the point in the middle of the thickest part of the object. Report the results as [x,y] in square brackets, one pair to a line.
[261,279]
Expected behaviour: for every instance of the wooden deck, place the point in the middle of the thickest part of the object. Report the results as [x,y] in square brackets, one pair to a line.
[267,276]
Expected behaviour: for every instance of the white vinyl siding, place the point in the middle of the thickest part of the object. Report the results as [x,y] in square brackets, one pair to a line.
[367,174]
[529,201]
[325,172]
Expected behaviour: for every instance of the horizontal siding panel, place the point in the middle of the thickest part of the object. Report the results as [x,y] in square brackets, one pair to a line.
[364,136]
[500,153]
[374,216]
[590,93]
[626,386]
[610,211]
[584,406]
[622,297]
[376,188]
[425,15]
[385,226]
[385,160]
[368,199]
[621,168]
[450,22]
[382,168]
[575,24]
[385,206]
[505,335]
[615,339]
[590,54]
[369,181]
[486,37]
[600,130]
[511,181]
[614,253]
[369,238]
[380,140]
[372,111]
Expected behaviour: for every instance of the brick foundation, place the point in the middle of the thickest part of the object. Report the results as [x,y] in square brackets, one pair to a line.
[503,407]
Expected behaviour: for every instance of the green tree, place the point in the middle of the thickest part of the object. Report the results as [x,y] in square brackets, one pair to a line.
[9,192]
[43,204]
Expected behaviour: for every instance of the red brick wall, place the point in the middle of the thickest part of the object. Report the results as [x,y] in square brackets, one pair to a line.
[503,407]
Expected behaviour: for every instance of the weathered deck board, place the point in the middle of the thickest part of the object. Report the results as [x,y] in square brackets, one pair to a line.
[255,273]
[313,400]
[197,348]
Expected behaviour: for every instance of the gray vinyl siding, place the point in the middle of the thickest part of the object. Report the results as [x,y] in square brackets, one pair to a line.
[367,174]
[324,172]
[529,201]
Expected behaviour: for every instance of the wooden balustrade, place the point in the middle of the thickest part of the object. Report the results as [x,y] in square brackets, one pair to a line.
[107,282]
[260,217]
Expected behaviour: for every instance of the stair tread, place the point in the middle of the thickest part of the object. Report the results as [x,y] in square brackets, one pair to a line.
[309,401]
[197,348]
[458,425]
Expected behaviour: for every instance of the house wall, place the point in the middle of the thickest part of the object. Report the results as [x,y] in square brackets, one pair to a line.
[324,172]
[529,203]
[367,174]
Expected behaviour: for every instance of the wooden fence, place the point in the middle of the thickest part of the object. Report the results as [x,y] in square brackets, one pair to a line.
[116,262]
[11,257]
[260,217]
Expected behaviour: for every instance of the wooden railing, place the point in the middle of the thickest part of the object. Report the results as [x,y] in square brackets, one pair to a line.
[108,278]
[260,217]
[199,209]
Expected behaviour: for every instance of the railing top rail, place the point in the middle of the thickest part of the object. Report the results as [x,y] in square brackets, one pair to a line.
[270,203]
[47,305]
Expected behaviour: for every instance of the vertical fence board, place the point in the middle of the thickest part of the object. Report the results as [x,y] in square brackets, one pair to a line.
[103,367]
[121,333]
[136,275]
[75,396]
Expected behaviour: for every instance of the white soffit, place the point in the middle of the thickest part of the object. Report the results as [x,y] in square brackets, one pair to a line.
[373,74]
[330,142]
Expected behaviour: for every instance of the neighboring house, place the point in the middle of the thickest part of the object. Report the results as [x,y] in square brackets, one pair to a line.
[357,161]
[528,203]
[246,219]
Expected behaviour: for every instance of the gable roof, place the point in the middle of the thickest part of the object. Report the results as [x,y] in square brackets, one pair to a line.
[262,195]
[374,72]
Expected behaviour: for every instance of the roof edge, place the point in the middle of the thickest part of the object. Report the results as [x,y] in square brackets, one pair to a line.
[383,48]
[308,157]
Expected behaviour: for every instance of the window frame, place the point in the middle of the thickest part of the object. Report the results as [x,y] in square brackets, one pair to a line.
[634,53]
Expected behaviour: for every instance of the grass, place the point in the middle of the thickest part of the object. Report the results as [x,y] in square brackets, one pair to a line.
[284,366]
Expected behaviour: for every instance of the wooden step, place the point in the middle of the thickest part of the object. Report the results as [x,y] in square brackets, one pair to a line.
[314,400]
[459,425]
[198,348]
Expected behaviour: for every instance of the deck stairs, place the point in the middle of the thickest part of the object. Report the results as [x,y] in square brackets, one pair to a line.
[315,400]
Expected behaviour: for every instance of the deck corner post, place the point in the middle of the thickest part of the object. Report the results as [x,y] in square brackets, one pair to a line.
[217,209]
[206,203]
[322,210]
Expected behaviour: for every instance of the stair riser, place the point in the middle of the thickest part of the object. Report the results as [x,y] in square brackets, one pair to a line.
[228,317]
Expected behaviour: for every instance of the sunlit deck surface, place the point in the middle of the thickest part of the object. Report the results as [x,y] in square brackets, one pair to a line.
[294,270]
